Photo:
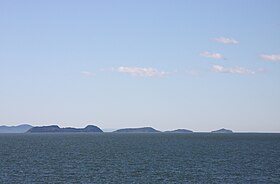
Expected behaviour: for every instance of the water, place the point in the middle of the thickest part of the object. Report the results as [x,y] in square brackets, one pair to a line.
[139,158]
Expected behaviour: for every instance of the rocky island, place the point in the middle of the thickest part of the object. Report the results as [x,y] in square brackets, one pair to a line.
[137,130]
[222,131]
[179,131]
[57,129]
[15,129]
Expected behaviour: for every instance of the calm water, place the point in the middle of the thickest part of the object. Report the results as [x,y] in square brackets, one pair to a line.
[140,158]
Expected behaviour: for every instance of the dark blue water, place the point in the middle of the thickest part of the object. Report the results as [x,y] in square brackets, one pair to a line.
[140,158]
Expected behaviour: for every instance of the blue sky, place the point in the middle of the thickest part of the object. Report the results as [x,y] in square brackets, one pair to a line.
[200,65]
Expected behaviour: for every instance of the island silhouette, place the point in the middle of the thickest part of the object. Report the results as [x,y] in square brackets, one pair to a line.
[26,128]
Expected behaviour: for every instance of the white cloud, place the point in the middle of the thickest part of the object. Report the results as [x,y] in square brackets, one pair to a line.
[271,57]
[212,55]
[234,70]
[138,71]
[225,40]
[87,73]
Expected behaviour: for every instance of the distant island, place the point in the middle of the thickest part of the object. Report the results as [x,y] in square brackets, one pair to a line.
[57,129]
[15,129]
[137,130]
[222,131]
[26,128]
[179,131]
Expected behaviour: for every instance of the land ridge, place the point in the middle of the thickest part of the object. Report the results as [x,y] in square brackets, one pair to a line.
[23,128]
[56,128]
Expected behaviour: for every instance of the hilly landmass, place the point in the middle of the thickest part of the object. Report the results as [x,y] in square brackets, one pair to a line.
[137,130]
[179,131]
[90,128]
[15,129]
[223,130]
[57,129]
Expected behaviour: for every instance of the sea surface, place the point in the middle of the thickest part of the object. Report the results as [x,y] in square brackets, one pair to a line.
[139,158]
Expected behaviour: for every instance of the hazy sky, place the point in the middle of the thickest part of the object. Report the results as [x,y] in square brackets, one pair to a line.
[199,65]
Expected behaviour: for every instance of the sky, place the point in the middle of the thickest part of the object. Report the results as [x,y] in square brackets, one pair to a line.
[194,64]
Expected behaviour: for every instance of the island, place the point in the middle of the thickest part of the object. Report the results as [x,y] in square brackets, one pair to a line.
[137,130]
[179,131]
[57,129]
[223,130]
[15,129]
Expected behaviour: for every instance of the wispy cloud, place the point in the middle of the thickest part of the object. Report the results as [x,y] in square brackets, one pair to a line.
[87,73]
[138,71]
[270,57]
[225,40]
[212,55]
[192,72]
[234,70]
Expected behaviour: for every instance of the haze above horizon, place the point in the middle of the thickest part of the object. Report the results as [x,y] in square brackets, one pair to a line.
[195,64]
